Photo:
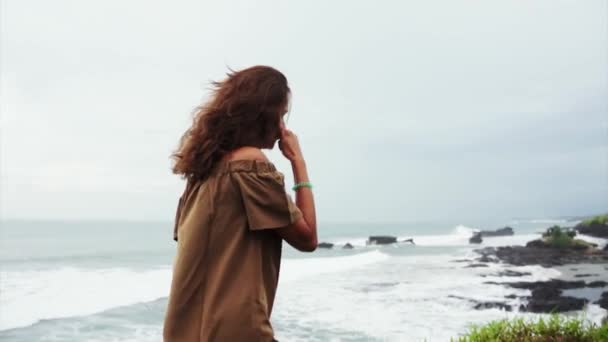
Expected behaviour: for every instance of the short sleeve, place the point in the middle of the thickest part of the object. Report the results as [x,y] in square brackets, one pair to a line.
[266,202]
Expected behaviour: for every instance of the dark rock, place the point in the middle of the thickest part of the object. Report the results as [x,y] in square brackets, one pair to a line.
[492,305]
[546,296]
[583,247]
[536,244]
[595,229]
[574,269]
[603,301]
[512,296]
[462,260]
[476,238]
[547,285]
[476,265]
[409,240]
[597,283]
[506,231]
[559,304]
[381,240]
[546,293]
[510,273]
[480,305]
[547,257]
[348,246]
[585,275]
[325,245]
[485,258]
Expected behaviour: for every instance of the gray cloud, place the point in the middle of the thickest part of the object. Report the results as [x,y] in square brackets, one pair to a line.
[405,110]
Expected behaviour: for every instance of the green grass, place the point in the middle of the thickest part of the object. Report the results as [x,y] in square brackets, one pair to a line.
[559,237]
[556,328]
[600,219]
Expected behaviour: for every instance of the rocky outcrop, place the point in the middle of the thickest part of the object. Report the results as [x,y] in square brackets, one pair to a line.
[488,258]
[576,245]
[603,301]
[595,229]
[537,244]
[597,283]
[476,238]
[544,256]
[549,300]
[462,260]
[492,305]
[325,245]
[481,305]
[506,231]
[546,296]
[381,240]
[551,284]
[348,246]
[510,273]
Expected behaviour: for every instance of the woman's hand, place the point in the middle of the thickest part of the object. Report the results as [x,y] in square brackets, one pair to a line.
[290,146]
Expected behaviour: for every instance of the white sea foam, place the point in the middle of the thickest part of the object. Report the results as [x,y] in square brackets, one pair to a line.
[600,242]
[293,269]
[408,298]
[459,236]
[355,241]
[30,296]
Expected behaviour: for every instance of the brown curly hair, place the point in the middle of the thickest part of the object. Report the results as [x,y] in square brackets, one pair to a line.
[245,109]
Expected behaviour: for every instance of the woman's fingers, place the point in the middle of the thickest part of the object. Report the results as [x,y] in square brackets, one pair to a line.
[288,144]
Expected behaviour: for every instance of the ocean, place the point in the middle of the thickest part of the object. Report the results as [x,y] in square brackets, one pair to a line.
[109,281]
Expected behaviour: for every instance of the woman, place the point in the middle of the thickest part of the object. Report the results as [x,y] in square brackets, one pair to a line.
[234,212]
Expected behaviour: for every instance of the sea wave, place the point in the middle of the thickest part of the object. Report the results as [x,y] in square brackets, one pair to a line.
[31,296]
[459,236]
[293,269]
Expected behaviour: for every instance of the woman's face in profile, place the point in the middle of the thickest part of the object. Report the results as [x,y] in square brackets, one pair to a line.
[282,125]
[283,121]
[285,115]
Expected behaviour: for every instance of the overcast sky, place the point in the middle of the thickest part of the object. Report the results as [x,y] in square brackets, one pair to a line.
[405,110]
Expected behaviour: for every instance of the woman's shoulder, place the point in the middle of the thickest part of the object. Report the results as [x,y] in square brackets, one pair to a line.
[248,159]
[247,153]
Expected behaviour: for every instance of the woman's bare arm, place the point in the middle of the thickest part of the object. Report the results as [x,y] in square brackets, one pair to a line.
[302,234]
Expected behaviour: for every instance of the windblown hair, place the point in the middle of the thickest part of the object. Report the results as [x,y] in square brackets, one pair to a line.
[245,109]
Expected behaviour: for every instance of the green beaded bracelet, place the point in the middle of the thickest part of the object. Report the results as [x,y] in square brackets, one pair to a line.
[302,185]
